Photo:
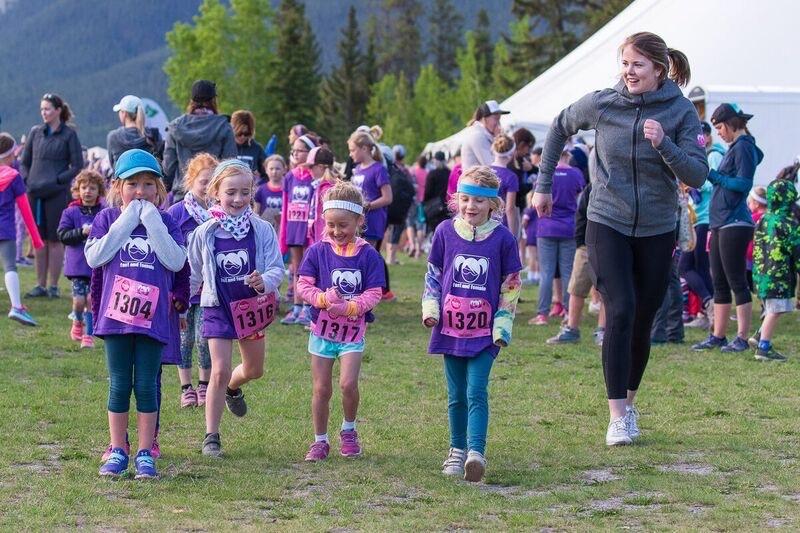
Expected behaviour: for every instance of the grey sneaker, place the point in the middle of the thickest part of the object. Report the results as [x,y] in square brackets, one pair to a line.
[598,335]
[700,322]
[53,292]
[770,355]
[36,292]
[236,404]
[212,446]
[735,346]
[710,343]
[567,335]
[617,433]
[632,419]
[454,464]
[475,466]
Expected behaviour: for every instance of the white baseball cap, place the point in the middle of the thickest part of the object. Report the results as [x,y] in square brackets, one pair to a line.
[129,104]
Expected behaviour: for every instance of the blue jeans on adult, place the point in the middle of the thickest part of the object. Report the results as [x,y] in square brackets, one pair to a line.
[468,400]
[552,252]
[668,322]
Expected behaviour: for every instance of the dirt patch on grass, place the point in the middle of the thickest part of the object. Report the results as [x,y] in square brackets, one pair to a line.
[597,476]
[697,469]
[696,509]
[778,522]
[51,464]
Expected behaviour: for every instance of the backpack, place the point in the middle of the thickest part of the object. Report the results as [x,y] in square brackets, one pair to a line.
[403,195]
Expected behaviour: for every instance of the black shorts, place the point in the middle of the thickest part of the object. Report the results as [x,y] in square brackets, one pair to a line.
[47,213]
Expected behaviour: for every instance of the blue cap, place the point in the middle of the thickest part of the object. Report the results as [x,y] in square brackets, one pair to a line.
[134,161]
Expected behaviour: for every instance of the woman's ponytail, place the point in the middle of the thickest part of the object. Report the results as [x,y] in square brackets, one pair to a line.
[66,113]
[140,119]
[679,70]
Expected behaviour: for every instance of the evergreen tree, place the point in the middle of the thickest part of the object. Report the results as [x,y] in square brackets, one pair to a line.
[470,90]
[371,56]
[398,39]
[432,114]
[483,46]
[293,77]
[344,94]
[509,74]
[446,27]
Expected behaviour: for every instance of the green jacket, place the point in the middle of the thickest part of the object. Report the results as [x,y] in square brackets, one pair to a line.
[776,250]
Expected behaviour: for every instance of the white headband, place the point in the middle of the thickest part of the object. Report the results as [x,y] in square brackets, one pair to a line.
[758,198]
[509,152]
[9,152]
[308,142]
[341,204]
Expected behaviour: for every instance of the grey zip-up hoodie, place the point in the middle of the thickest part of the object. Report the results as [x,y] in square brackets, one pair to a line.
[123,139]
[189,135]
[634,188]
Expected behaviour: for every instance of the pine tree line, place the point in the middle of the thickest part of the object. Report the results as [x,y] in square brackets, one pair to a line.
[417,87]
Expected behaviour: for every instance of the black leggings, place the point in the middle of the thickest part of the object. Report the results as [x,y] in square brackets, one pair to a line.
[729,265]
[631,274]
[694,265]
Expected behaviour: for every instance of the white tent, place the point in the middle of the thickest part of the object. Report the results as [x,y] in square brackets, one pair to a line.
[739,50]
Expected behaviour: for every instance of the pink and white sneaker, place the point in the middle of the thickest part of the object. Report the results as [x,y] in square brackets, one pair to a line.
[202,390]
[107,454]
[318,451]
[155,449]
[350,446]
[188,398]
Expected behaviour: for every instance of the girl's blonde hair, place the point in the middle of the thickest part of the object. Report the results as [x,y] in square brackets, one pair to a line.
[529,198]
[275,157]
[346,192]
[226,169]
[88,176]
[198,164]
[362,139]
[485,177]
[503,144]
[114,198]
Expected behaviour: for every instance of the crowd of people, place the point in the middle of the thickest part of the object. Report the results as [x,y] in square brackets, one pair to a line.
[184,243]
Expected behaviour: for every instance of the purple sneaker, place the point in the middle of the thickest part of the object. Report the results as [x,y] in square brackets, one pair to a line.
[318,451]
[349,445]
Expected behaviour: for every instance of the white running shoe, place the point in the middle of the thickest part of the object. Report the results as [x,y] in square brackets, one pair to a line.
[594,308]
[475,466]
[632,419]
[454,464]
[700,322]
[617,434]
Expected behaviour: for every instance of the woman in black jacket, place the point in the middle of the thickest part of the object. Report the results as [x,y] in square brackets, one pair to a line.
[51,159]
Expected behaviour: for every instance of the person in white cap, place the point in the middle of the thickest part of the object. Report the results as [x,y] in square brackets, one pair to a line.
[130,134]
[484,125]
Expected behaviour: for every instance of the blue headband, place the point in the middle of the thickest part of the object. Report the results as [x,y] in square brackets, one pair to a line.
[477,190]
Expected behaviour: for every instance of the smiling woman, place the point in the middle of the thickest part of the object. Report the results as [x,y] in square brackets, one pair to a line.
[646,136]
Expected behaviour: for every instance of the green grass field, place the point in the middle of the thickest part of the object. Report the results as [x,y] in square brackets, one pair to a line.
[719,449]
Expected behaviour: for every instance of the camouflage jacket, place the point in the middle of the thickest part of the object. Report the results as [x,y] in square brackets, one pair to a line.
[776,253]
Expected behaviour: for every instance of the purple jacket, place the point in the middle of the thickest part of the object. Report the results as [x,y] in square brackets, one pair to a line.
[70,233]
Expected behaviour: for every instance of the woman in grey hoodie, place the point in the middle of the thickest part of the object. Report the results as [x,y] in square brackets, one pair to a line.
[647,135]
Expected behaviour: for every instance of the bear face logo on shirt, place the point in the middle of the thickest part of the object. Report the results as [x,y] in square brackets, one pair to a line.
[137,253]
[233,265]
[301,193]
[273,202]
[358,181]
[470,271]
[347,280]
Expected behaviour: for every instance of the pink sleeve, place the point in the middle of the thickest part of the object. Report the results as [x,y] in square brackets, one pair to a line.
[282,230]
[307,290]
[30,223]
[368,299]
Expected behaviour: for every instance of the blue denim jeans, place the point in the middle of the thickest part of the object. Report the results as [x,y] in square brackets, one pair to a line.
[554,252]
[468,400]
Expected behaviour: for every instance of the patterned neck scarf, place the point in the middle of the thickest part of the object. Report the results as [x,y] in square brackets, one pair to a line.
[237,226]
[199,213]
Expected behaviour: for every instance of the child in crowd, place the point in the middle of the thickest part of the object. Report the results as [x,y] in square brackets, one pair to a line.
[189,213]
[234,257]
[776,264]
[529,219]
[135,250]
[320,163]
[12,192]
[269,195]
[757,204]
[471,292]
[503,149]
[295,216]
[341,277]
[88,189]
[372,179]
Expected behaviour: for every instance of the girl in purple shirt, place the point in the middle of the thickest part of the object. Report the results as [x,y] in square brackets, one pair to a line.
[470,298]
[503,149]
[372,179]
[135,250]
[341,277]
[73,229]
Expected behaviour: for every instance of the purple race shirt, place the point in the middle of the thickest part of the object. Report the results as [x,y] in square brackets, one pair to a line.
[474,271]
[351,275]
[187,224]
[234,261]
[268,198]
[297,193]
[136,261]
[369,181]
[509,182]
[530,229]
[8,198]
[568,183]
[74,259]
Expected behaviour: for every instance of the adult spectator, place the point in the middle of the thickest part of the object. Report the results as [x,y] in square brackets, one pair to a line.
[731,227]
[633,206]
[434,201]
[200,129]
[49,162]
[249,151]
[484,125]
[131,133]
